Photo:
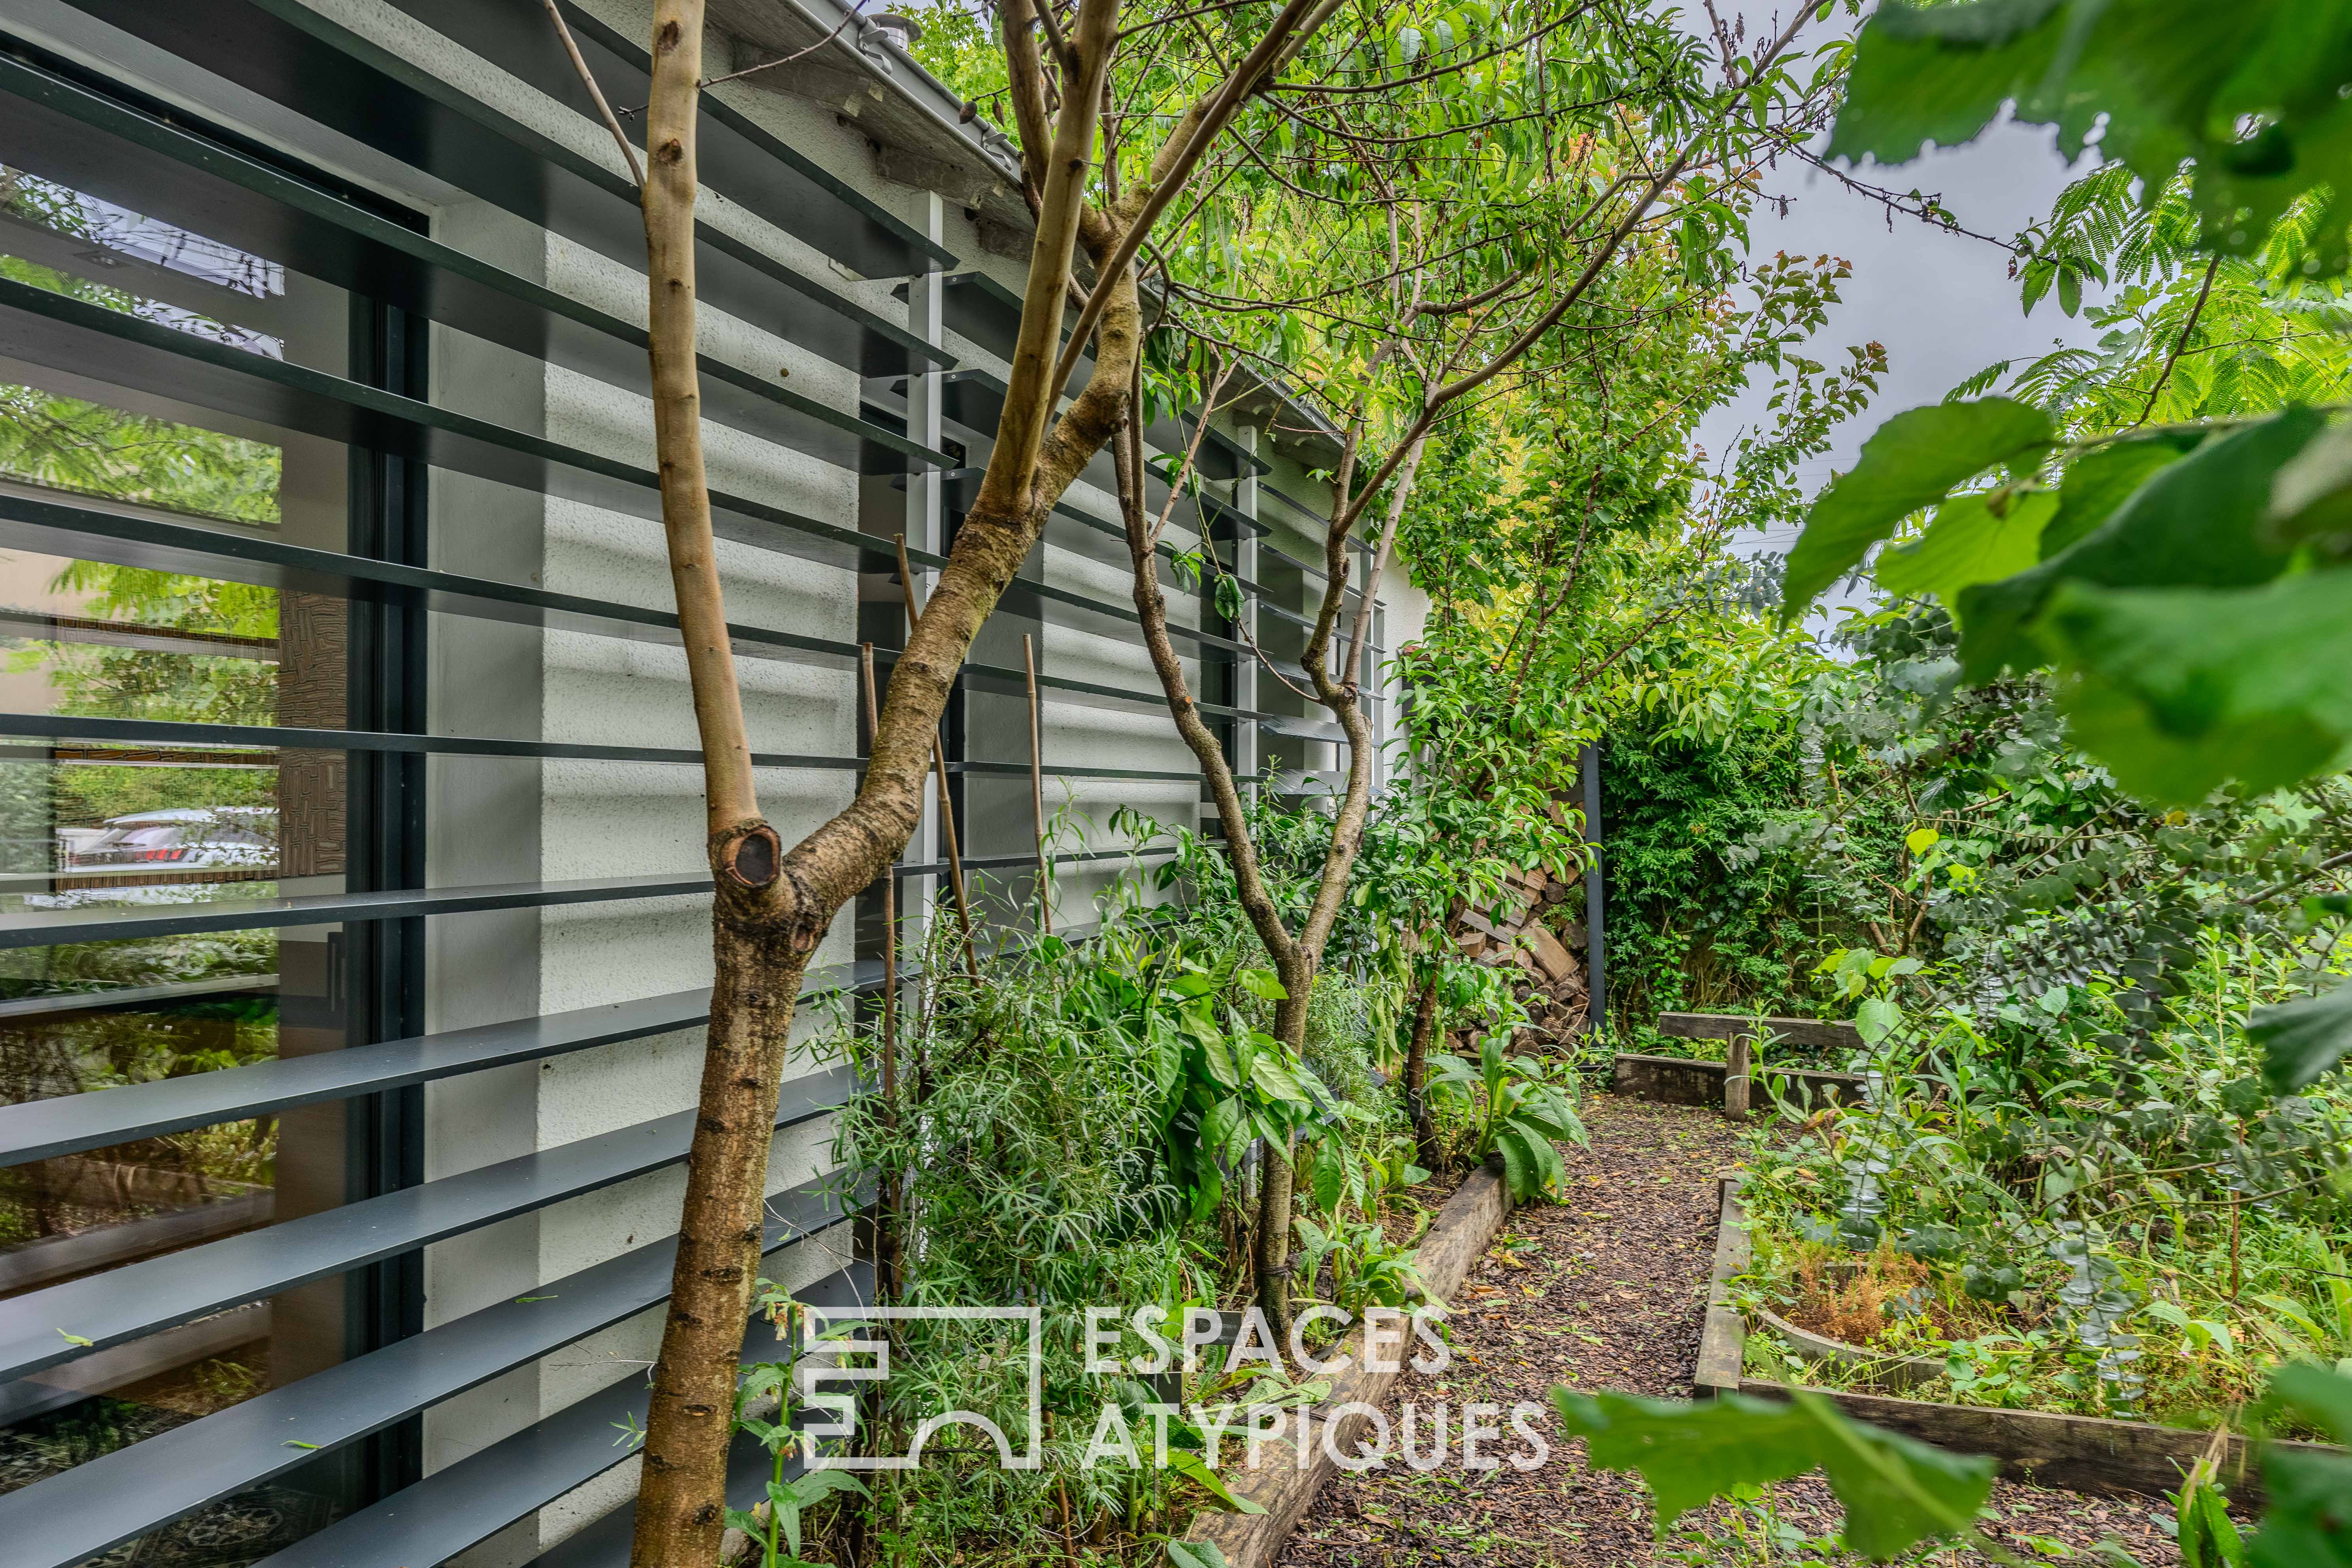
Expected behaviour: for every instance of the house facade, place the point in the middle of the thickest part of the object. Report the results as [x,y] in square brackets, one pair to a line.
[356,918]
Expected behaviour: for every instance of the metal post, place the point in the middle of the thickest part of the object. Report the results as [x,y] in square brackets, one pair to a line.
[939,775]
[1596,947]
[1248,745]
[926,516]
[1037,787]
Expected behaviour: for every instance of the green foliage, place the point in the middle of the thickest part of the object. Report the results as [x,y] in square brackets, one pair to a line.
[1969,542]
[2308,1523]
[2201,1524]
[2184,591]
[1897,1492]
[1518,1111]
[2258,697]
[1912,462]
[1074,1127]
[1224,1081]
[2303,1040]
[2093,1222]
[775,1524]
[2249,92]
[1693,923]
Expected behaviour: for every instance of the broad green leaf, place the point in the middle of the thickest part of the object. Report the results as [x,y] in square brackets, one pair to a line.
[1190,1466]
[817,1485]
[1919,840]
[2203,521]
[1222,1125]
[1897,1492]
[1911,461]
[2308,1523]
[1196,1554]
[1544,1169]
[2207,1538]
[2102,479]
[2302,1041]
[2178,691]
[1168,1055]
[2321,1397]
[1273,1080]
[1966,544]
[1262,985]
[2313,494]
[2162,80]
[1328,1175]
[1520,1177]
[1876,1019]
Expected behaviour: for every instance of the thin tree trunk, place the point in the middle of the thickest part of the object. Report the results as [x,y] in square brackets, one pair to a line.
[758,960]
[1297,958]
[1416,1072]
[773,907]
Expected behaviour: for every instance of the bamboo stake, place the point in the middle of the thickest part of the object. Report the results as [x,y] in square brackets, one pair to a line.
[886,1250]
[1037,789]
[940,772]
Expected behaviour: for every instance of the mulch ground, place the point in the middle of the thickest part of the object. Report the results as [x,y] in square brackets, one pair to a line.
[1608,1292]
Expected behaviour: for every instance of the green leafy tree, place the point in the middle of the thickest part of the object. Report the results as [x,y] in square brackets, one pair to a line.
[2184,583]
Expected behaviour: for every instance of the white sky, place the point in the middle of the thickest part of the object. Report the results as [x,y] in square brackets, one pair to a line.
[1943,305]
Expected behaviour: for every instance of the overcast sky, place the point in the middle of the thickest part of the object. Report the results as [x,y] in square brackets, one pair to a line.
[1943,304]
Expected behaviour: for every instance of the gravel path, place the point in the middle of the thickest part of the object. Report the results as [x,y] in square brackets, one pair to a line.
[1606,1291]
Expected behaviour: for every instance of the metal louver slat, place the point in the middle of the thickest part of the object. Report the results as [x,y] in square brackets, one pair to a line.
[69,1518]
[106,1308]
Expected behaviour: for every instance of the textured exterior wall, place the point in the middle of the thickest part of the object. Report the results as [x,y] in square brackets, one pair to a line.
[518,820]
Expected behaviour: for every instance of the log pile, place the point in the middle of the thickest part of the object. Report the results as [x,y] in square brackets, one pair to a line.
[1537,928]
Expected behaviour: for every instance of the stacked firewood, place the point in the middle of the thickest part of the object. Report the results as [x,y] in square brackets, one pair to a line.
[1538,927]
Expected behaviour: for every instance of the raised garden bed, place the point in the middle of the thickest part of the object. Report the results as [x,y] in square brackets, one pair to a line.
[1731,1082]
[1679,1080]
[2081,1453]
[1281,1485]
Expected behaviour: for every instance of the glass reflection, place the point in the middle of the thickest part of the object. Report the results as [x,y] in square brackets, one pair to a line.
[89,825]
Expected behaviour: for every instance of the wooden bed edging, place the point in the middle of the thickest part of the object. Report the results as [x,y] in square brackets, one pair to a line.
[1730,1083]
[1881,1370]
[1679,1080]
[2080,1453]
[1279,1485]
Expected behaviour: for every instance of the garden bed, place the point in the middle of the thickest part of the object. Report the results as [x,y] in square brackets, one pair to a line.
[1680,1080]
[2081,1453]
[1280,1485]
[1604,1291]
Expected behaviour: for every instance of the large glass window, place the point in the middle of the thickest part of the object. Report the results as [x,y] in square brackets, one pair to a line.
[98,822]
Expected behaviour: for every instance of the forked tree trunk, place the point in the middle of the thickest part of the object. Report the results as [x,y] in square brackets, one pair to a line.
[757,957]
[1298,956]
[773,907]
